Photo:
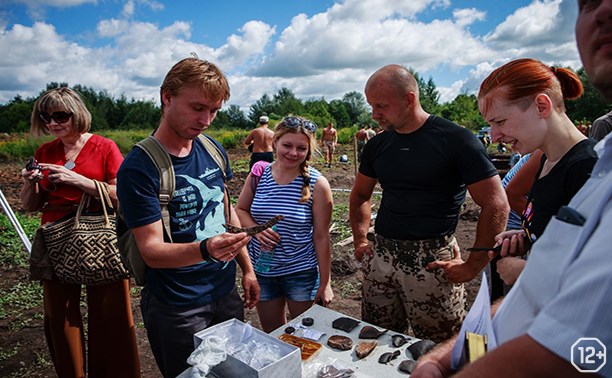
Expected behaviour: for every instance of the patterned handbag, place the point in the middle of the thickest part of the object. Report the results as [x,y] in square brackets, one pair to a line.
[83,247]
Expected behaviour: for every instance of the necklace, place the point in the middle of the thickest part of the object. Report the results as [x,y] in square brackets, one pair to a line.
[70,164]
[70,161]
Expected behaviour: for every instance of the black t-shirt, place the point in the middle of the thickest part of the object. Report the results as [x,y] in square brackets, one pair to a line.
[424,176]
[558,187]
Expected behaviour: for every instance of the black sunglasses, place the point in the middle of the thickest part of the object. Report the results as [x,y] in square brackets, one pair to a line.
[295,122]
[59,117]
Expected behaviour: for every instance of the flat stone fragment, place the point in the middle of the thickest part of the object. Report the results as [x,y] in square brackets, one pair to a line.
[420,348]
[369,332]
[407,366]
[345,324]
[340,342]
[364,348]
[398,340]
[385,358]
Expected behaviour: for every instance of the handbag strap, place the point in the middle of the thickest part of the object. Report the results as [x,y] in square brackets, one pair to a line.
[104,200]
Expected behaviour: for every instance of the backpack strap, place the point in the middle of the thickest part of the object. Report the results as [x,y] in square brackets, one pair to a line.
[160,157]
[216,154]
[219,158]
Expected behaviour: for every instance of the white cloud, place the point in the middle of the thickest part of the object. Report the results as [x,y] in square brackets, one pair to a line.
[542,22]
[322,55]
[465,17]
[130,6]
[369,34]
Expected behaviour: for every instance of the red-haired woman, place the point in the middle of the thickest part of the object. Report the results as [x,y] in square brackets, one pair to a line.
[523,101]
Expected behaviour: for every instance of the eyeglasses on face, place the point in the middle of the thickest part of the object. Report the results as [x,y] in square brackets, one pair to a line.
[295,122]
[59,117]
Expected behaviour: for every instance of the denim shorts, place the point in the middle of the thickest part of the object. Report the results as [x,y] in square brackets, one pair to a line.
[299,287]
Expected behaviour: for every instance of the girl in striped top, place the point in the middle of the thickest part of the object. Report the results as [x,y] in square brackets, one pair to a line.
[299,271]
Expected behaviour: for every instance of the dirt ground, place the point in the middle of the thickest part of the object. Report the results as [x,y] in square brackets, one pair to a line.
[28,344]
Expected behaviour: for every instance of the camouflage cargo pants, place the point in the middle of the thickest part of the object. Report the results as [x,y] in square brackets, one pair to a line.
[398,292]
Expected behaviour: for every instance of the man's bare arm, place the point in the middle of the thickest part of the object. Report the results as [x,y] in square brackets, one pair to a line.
[360,211]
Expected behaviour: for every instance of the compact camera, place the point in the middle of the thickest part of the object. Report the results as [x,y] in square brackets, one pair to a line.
[32,164]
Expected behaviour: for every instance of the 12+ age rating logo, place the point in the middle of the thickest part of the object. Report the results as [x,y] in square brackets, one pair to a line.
[588,354]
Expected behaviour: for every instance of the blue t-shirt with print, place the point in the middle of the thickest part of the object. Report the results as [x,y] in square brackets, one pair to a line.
[196,212]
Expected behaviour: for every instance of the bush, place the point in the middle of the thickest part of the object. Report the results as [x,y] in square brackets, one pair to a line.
[22,147]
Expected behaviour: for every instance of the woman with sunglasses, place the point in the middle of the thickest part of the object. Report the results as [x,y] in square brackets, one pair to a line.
[292,260]
[63,171]
[523,101]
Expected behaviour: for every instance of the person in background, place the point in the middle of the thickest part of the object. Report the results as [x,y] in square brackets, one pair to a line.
[535,119]
[563,294]
[425,165]
[485,139]
[362,138]
[259,142]
[298,273]
[370,131]
[514,158]
[191,281]
[515,174]
[601,127]
[67,167]
[329,141]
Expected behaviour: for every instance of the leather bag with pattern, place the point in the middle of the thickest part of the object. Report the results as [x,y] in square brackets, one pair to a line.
[83,247]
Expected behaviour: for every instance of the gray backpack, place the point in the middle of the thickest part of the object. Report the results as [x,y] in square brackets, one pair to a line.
[128,249]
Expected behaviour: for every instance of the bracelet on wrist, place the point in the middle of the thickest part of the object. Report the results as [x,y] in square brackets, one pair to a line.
[204,252]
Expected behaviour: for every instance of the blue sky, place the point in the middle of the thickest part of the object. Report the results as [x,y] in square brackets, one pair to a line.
[316,48]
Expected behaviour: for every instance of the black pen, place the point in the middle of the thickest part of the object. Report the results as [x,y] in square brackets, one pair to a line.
[476,249]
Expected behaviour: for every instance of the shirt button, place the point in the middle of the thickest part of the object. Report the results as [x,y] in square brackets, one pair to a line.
[602,173]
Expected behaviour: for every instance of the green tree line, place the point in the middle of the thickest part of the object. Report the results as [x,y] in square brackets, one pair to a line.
[110,113]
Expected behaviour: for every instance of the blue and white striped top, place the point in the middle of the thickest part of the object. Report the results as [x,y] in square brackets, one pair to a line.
[295,252]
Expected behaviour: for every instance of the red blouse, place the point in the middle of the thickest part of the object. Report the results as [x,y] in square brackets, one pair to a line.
[99,159]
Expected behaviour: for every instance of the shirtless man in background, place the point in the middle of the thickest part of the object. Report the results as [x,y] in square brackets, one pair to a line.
[260,140]
[329,140]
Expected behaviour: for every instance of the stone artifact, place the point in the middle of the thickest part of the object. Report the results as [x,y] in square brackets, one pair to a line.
[369,332]
[420,348]
[340,342]
[398,340]
[364,348]
[407,366]
[345,324]
[386,357]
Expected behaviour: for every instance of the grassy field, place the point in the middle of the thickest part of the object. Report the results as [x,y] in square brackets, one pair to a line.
[21,146]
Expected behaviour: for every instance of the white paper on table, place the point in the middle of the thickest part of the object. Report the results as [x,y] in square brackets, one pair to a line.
[478,320]
[309,333]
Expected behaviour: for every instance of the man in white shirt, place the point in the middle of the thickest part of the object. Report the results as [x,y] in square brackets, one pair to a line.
[556,321]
